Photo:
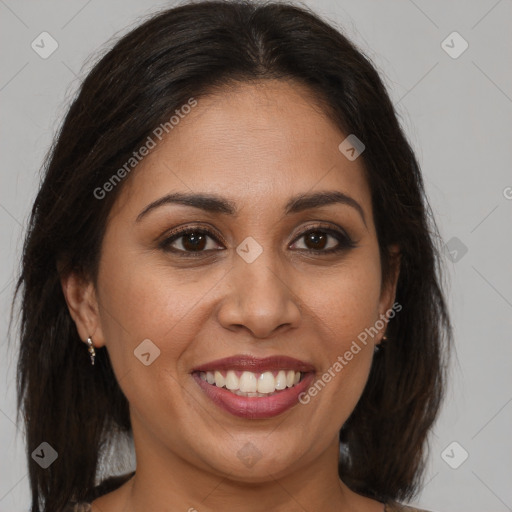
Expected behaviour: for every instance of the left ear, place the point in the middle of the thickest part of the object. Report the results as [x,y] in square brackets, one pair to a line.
[388,289]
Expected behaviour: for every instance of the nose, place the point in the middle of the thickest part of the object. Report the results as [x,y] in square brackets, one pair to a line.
[260,298]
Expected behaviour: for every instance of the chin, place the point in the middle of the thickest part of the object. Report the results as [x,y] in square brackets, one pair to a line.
[253,461]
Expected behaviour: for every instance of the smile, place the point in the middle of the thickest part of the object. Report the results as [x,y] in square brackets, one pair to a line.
[254,388]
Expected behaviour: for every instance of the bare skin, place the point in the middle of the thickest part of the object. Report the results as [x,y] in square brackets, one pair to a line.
[258,146]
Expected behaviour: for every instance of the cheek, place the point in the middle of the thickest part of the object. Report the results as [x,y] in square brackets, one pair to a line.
[346,302]
[151,303]
[345,306]
[141,300]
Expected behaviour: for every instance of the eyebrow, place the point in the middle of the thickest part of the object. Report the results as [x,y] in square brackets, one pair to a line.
[216,204]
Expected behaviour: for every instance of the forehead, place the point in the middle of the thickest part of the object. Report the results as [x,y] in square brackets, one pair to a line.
[257,143]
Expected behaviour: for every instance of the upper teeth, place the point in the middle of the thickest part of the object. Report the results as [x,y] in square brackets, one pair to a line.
[250,382]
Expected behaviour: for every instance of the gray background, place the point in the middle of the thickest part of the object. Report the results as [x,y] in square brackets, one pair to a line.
[457,114]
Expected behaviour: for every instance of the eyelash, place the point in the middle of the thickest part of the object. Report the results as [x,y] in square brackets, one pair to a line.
[344,241]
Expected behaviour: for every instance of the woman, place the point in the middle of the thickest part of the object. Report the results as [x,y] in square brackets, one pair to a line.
[232,260]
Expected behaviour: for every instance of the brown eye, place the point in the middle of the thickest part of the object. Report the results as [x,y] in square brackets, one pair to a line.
[191,240]
[194,241]
[325,240]
[316,240]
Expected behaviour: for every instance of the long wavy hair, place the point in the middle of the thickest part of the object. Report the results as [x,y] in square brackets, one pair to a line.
[183,52]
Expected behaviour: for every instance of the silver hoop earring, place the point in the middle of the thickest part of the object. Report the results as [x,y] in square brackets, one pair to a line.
[91,350]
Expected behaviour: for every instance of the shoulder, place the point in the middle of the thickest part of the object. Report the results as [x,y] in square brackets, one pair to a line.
[397,507]
[106,486]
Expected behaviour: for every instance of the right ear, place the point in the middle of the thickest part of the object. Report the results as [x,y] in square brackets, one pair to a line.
[82,303]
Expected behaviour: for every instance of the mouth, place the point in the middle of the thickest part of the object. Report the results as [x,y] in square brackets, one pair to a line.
[254,388]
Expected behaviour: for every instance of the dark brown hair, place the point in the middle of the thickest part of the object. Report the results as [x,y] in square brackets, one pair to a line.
[183,52]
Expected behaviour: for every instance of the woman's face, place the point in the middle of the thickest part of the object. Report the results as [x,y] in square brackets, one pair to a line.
[265,271]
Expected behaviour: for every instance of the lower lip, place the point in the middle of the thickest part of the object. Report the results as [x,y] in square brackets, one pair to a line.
[255,407]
